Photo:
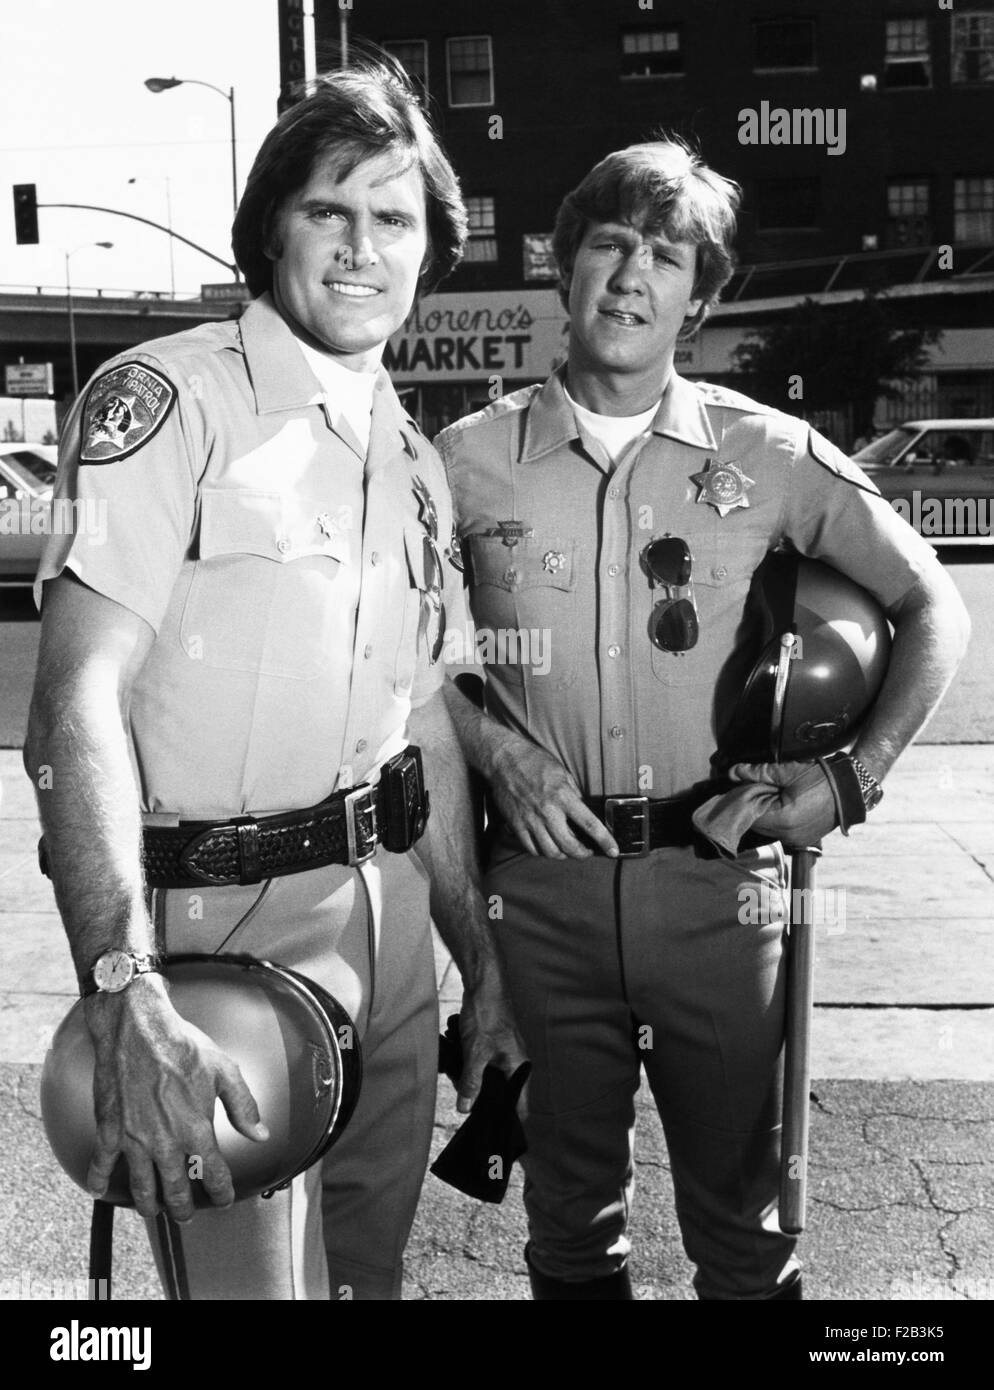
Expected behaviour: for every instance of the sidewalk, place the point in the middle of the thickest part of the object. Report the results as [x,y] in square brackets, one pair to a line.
[901,1190]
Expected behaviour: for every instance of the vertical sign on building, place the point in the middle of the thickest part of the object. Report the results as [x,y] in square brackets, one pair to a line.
[296,30]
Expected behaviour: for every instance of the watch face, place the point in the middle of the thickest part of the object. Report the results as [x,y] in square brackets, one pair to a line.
[113,970]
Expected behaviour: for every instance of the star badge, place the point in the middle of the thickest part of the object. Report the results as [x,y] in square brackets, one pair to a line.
[326,526]
[722,486]
[553,561]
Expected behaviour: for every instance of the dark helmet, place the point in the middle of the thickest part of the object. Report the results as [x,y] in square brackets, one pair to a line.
[294,1043]
[810,668]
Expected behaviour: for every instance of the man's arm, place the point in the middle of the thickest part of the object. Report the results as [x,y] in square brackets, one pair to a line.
[448,851]
[534,793]
[156,1076]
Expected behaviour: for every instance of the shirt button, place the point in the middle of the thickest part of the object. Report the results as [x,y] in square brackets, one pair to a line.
[284,546]
[614,570]
[614,650]
[613,493]
[374,559]
[617,731]
[510,576]
[367,651]
[361,746]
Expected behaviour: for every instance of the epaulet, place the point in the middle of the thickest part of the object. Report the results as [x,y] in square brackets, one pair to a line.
[733,400]
[517,400]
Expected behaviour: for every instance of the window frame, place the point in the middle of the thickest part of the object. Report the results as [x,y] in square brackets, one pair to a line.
[628,31]
[897,61]
[960,18]
[959,182]
[485,237]
[391,43]
[468,105]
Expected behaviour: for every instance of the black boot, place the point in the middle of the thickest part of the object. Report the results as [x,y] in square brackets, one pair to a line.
[609,1288]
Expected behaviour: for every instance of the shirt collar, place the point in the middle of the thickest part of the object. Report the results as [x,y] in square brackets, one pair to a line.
[551,422]
[282,379]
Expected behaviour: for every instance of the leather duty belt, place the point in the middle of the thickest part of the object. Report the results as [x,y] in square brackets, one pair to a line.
[345,829]
[643,823]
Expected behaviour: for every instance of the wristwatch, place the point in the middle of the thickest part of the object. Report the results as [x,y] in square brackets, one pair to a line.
[873,792]
[114,970]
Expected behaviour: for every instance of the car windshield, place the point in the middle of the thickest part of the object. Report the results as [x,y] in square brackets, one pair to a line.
[31,468]
[885,449]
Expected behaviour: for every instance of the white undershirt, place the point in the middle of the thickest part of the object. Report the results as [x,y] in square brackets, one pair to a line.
[348,394]
[615,433]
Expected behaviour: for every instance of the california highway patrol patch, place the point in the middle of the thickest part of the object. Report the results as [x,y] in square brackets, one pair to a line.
[125,408]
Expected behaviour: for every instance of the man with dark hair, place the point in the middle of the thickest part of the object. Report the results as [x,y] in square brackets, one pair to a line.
[621,512]
[259,638]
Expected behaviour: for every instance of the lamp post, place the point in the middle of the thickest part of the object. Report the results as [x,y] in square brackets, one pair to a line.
[169,223]
[164,84]
[106,245]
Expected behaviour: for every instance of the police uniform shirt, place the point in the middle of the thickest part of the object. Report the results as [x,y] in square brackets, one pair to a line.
[553,539]
[283,574]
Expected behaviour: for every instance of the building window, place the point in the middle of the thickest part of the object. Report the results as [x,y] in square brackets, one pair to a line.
[784,43]
[412,55]
[907,60]
[973,208]
[481,245]
[787,204]
[470,65]
[973,47]
[908,208]
[651,53]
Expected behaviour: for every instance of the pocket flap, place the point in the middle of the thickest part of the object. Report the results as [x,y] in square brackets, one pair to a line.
[238,522]
[535,561]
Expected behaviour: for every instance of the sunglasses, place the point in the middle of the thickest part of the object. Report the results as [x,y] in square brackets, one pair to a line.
[673,625]
[432,618]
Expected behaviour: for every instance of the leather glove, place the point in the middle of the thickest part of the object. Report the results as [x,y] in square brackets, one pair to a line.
[478,1158]
[798,803]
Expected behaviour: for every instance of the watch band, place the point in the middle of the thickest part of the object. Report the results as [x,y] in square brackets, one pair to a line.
[872,791]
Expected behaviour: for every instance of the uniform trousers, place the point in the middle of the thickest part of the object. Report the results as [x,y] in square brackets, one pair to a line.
[340,1229]
[616,965]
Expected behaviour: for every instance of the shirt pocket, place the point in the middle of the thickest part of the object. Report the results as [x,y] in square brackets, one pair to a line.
[524,606]
[721,577]
[266,593]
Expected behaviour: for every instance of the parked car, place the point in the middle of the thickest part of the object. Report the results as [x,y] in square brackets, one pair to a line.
[27,473]
[939,474]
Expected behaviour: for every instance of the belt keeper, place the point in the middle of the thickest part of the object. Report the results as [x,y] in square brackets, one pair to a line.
[248,849]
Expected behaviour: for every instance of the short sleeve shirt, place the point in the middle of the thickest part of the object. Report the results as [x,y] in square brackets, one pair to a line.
[559,595]
[284,575]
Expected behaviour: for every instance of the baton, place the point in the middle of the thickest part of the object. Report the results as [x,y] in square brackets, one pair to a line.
[797,1041]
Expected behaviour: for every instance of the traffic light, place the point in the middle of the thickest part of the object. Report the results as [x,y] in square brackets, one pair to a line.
[26,214]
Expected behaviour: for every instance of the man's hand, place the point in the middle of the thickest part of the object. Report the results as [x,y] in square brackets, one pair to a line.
[539,800]
[489,1038]
[800,809]
[156,1081]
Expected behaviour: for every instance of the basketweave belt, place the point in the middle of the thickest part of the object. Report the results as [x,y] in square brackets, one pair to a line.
[344,829]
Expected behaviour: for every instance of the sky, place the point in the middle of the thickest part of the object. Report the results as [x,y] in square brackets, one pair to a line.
[77,121]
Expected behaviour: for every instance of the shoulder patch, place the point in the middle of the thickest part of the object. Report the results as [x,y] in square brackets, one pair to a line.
[124,409]
[836,462]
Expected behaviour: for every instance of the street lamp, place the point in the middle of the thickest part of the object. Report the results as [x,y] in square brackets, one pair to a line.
[169,224]
[106,245]
[164,84]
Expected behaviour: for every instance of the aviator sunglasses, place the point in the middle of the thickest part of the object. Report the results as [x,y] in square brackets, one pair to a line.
[673,624]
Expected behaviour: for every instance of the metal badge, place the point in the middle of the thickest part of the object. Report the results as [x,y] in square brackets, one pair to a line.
[722,486]
[553,561]
[326,526]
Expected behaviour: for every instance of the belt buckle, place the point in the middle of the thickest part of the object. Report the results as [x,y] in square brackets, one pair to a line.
[635,810]
[362,842]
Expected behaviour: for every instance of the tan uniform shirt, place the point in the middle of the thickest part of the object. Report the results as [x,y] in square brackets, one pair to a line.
[281,571]
[565,584]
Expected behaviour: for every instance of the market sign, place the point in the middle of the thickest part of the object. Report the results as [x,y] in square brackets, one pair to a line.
[472,337]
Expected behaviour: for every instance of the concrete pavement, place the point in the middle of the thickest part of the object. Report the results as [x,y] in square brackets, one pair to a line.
[901,1189]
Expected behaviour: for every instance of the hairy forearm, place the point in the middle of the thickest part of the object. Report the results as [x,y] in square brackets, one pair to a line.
[931,633]
[484,742]
[448,849]
[77,757]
